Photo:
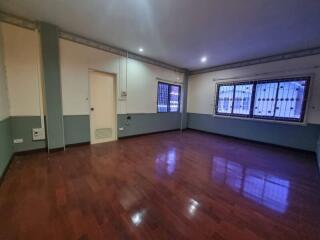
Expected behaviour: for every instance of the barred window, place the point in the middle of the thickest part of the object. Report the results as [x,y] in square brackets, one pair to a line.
[276,99]
[225,99]
[242,99]
[168,97]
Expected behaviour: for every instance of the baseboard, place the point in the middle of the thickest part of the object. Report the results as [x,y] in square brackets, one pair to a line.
[51,150]
[151,133]
[56,149]
[253,141]
[30,151]
[77,144]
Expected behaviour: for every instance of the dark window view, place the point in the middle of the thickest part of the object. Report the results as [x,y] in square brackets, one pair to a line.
[265,99]
[174,98]
[225,99]
[163,90]
[168,97]
[290,99]
[242,99]
[281,99]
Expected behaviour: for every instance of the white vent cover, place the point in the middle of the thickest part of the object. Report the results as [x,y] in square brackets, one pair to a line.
[101,133]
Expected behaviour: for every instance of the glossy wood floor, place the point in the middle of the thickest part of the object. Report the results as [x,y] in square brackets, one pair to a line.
[164,186]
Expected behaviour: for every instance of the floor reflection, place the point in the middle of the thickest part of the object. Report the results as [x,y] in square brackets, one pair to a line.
[192,206]
[266,189]
[137,217]
[166,162]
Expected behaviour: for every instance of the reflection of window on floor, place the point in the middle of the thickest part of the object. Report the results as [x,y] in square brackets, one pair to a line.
[265,189]
[166,162]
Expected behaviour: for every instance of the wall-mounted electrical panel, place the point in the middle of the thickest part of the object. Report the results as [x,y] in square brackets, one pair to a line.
[38,134]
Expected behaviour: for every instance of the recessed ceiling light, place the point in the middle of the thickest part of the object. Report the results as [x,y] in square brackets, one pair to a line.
[140,49]
[203,59]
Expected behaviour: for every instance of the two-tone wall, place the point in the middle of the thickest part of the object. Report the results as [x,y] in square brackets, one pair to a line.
[23,75]
[136,78]
[6,150]
[23,52]
[201,100]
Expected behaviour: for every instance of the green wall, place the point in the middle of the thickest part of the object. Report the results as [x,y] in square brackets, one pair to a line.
[76,129]
[289,135]
[22,128]
[51,73]
[6,149]
[318,152]
[147,123]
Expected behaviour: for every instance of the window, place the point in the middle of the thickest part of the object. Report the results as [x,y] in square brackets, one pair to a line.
[225,99]
[265,99]
[280,99]
[163,94]
[242,99]
[168,97]
[290,100]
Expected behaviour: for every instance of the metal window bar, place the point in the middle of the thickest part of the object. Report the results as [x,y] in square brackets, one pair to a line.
[270,101]
[168,99]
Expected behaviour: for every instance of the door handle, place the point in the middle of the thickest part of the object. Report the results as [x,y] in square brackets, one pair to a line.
[92,109]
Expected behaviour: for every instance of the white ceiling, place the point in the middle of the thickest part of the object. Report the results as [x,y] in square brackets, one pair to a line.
[179,32]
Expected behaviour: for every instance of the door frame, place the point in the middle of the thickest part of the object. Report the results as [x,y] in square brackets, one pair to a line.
[115,100]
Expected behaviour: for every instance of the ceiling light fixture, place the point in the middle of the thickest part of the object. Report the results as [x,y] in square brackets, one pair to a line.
[203,59]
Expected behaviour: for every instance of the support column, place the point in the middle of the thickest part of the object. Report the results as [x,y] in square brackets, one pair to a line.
[52,85]
[318,153]
[184,113]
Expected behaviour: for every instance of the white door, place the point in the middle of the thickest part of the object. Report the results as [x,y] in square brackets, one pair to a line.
[102,107]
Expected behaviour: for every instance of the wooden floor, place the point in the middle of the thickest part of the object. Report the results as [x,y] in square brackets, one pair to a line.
[163,186]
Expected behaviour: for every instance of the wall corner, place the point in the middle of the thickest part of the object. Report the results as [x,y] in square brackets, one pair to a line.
[318,153]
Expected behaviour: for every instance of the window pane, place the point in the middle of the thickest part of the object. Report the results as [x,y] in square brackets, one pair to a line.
[163,91]
[265,99]
[225,98]
[290,99]
[242,99]
[174,98]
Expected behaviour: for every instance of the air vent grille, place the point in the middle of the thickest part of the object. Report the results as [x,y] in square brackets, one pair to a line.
[101,133]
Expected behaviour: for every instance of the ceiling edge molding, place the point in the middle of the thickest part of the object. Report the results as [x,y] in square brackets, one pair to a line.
[18,21]
[118,51]
[32,25]
[274,58]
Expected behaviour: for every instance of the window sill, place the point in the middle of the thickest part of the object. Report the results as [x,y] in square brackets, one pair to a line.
[304,123]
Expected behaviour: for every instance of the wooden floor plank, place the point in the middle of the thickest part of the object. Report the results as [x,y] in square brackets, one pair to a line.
[174,185]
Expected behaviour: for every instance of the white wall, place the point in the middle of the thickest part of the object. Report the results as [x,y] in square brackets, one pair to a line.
[21,49]
[143,85]
[201,87]
[77,59]
[4,102]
